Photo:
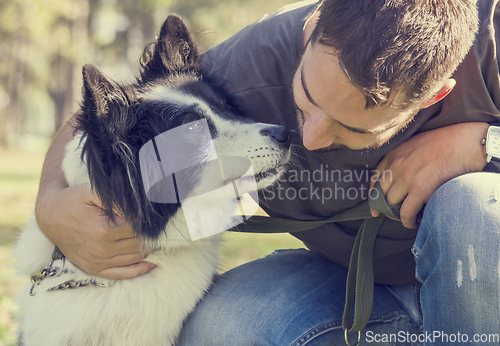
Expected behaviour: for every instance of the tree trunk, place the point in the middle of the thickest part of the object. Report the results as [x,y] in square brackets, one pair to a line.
[14,114]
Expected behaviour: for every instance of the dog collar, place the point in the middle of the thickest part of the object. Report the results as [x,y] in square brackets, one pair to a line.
[52,271]
[48,271]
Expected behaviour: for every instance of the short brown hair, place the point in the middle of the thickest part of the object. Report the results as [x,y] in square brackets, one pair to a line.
[388,47]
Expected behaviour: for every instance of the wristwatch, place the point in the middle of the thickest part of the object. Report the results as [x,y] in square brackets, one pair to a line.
[493,144]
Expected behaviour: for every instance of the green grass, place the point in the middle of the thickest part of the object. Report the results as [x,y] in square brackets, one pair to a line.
[19,177]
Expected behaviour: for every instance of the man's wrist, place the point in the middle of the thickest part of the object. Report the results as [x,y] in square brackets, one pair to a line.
[478,151]
[492,165]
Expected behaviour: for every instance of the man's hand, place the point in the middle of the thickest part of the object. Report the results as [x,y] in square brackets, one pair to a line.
[72,220]
[413,171]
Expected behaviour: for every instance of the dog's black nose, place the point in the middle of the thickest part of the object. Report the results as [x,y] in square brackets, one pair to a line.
[279,133]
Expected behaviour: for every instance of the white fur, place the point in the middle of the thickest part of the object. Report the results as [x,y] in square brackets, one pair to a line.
[235,138]
[149,309]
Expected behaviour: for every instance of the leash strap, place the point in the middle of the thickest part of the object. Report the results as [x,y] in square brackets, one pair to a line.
[57,254]
[359,284]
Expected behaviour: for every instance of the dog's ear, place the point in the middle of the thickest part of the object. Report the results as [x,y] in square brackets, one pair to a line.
[100,93]
[173,52]
[105,102]
[108,148]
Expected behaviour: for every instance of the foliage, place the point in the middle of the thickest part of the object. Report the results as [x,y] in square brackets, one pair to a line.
[43,45]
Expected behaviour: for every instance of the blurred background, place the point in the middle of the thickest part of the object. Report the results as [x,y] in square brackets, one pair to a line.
[43,45]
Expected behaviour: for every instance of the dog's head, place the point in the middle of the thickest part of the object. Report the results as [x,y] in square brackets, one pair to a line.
[119,123]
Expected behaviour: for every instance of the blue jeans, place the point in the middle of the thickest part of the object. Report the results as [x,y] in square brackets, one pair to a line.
[293,297]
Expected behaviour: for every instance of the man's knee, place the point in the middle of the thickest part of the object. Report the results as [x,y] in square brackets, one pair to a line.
[465,196]
[463,211]
[457,245]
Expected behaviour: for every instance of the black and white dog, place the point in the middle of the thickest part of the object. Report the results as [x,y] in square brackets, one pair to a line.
[67,306]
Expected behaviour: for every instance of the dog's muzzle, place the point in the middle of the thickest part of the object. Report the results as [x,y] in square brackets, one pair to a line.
[181,165]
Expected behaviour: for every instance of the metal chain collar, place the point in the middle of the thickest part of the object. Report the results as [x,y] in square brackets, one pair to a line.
[52,271]
[48,271]
[80,283]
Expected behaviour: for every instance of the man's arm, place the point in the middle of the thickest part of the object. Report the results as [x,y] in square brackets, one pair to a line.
[426,161]
[71,219]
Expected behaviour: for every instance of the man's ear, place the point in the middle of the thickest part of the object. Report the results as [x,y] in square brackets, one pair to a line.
[445,90]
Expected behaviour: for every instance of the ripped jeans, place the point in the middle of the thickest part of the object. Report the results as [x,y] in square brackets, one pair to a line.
[295,298]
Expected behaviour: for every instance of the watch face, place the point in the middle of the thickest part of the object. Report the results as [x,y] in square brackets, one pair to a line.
[493,141]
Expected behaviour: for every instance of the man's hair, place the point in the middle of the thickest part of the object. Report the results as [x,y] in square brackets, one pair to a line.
[397,47]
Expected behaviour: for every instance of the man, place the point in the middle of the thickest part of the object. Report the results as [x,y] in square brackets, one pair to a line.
[368,86]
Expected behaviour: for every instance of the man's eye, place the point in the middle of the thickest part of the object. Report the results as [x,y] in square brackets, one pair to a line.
[197,126]
[356,132]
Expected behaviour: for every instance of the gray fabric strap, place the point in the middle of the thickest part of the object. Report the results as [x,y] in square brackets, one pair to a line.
[359,288]
[57,254]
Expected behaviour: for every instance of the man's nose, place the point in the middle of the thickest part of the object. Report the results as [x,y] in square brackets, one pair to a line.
[316,134]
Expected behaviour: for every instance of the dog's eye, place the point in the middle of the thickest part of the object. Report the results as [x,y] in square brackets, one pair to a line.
[197,126]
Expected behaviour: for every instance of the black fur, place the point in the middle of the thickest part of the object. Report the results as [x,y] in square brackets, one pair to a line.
[116,122]
[173,54]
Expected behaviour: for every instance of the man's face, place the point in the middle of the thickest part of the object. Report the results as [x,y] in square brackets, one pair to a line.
[331,110]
